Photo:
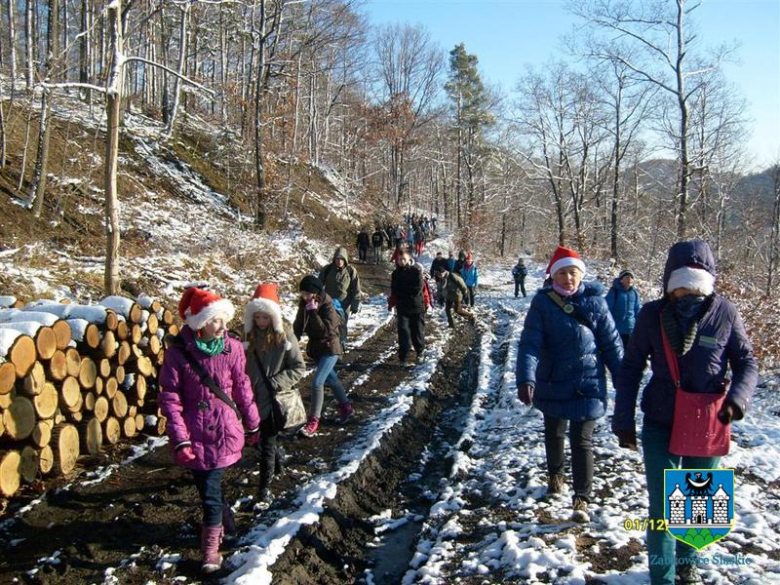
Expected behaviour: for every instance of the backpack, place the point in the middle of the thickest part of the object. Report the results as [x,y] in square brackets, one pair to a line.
[342,321]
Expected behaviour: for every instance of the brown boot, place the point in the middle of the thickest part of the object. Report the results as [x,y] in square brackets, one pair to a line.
[210,538]
[555,485]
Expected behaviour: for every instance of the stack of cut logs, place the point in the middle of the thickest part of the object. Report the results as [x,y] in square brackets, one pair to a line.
[73,378]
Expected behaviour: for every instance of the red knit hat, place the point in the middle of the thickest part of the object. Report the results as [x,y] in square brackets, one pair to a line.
[265,299]
[562,258]
[198,306]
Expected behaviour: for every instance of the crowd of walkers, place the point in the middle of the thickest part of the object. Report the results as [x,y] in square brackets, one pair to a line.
[413,233]
[219,395]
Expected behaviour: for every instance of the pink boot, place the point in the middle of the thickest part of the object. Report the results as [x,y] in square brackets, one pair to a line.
[210,538]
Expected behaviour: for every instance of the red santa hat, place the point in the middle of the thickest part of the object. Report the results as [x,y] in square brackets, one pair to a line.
[198,306]
[562,258]
[265,299]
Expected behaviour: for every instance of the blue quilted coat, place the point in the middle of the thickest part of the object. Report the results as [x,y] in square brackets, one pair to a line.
[565,360]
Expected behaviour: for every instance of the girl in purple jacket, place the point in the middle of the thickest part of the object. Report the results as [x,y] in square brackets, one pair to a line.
[205,430]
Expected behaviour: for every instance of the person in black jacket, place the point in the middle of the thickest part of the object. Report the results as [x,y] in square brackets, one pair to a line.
[439,264]
[362,245]
[406,295]
[376,241]
[519,272]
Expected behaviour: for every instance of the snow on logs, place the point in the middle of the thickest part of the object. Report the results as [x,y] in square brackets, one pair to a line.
[74,378]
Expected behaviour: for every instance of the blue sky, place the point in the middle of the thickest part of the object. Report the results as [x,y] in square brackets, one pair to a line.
[507,35]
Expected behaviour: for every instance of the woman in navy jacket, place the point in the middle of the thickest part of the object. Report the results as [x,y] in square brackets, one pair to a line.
[707,335]
[568,339]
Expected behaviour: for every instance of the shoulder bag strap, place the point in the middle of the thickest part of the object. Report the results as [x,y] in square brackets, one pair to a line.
[671,359]
[208,380]
[570,309]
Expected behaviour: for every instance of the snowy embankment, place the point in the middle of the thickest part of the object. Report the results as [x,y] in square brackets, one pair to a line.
[491,518]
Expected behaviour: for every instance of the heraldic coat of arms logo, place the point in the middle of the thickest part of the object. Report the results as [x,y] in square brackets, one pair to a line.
[699,504]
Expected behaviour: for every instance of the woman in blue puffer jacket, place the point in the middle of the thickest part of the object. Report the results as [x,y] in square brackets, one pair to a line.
[624,304]
[568,339]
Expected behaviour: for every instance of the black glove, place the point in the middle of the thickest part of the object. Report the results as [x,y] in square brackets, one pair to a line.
[627,439]
[525,393]
[728,412]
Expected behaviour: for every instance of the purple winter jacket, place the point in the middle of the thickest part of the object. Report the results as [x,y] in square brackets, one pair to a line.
[195,414]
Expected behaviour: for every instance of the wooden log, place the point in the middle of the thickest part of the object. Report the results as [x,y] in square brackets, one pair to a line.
[112,430]
[22,355]
[46,402]
[136,333]
[102,406]
[111,388]
[129,428]
[45,343]
[162,424]
[132,410]
[119,404]
[87,373]
[92,336]
[73,361]
[104,367]
[155,307]
[59,418]
[160,358]
[32,385]
[63,333]
[41,435]
[135,314]
[19,418]
[46,460]
[56,368]
[140,388]
[7,399]
[120,375]
[65,442]
[152,325]
[70,394]
[10,472]
[78,414]
[112,320]
[124,353]
[122,330]
[100,383]
[2,424]
[7,377]
[91,432]
[139,422]
[144,366]
[89,401]
[108,344]
[167,318]
[28,466]
[154,345]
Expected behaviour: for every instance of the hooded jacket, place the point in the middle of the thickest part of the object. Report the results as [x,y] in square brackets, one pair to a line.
[624,306]
[321,325]
[455,289]
[565,360]
[469,272]
[720,342]
[406,289]
[342,283]
[195,414]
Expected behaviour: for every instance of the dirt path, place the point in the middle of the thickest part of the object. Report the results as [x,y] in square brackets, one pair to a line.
[141,522]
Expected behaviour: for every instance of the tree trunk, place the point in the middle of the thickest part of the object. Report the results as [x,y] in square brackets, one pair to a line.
[260,203]
[12,44]
[683,105]
[38,187]
[28,27]
[113,101]
[177,81]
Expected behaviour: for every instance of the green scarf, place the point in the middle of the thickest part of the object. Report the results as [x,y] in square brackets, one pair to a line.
[211,348]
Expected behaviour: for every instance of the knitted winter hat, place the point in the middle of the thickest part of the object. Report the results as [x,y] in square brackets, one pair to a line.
[198,306]
[625,273]
[265,299]
[312,284]
[562,258]
[691,277]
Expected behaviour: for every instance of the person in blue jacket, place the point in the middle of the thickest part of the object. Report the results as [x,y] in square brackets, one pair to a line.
[470,276]
[624,304]
[568,340]
[708,336]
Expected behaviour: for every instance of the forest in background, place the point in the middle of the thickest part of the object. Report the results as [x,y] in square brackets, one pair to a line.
[640,142]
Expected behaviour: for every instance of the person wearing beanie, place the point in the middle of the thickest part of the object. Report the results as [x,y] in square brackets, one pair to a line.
[205,430]
[407,297]
[707,337]
[568,342]
[470,276]
[624,304]
[272,357]
[342,282]
[317,317]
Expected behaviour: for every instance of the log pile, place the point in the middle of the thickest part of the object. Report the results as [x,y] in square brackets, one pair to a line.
[74,378]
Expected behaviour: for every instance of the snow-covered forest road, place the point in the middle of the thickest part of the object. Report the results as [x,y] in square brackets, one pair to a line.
[439,479]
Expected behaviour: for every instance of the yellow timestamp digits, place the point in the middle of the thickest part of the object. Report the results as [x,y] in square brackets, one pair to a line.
[654,524]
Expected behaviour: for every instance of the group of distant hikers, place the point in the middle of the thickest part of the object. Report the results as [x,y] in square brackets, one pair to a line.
[219,395]
[416,230]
